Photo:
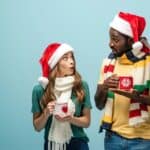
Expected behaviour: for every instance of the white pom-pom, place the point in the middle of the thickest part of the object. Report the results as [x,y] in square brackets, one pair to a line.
[43,81]
[137,46]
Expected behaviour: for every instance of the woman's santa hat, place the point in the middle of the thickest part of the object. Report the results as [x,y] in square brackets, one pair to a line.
[51,56]
[130,25]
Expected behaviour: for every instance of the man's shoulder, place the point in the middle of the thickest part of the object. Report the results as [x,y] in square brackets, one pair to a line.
[144,61]
[148,57]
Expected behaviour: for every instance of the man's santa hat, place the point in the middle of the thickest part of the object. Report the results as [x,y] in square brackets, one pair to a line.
[51,56]
[130,25]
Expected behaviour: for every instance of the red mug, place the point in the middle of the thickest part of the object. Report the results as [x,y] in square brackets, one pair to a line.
[61,109]
[125,82]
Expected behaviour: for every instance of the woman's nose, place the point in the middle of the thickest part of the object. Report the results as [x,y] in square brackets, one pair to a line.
[71,61]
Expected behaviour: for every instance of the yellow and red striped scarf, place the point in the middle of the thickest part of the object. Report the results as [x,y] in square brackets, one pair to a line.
[138,112]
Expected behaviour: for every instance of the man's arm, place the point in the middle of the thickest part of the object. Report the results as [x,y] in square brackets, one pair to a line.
[100,96]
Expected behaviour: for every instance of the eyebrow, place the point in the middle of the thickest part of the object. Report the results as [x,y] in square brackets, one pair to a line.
[115,36]
[68,54]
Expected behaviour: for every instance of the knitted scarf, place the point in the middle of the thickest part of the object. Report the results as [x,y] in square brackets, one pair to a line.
[138,112]
[60,132]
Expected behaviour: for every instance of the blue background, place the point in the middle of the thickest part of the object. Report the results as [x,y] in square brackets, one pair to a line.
[26,28]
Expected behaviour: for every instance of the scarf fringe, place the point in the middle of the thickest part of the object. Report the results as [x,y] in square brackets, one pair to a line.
[56,146]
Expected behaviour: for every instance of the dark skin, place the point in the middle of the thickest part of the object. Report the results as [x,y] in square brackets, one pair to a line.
[119,44]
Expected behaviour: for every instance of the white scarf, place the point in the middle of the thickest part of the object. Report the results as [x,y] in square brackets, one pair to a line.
[60,132]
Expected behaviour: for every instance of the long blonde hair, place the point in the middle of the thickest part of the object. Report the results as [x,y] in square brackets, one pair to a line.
[49,96]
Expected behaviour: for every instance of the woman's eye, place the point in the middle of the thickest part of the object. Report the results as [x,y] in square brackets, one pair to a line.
[65,58]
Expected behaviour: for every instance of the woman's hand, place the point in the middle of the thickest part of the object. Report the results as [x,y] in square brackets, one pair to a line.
[63,119]
[48,111]
[82,121]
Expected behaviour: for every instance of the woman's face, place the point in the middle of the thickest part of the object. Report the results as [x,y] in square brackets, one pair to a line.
[66,65]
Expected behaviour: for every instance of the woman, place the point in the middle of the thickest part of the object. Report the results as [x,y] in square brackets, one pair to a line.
[61,85]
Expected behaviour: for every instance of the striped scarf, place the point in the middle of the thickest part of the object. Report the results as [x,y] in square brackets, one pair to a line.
[138,112]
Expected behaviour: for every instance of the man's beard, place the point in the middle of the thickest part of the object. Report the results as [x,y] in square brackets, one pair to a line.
[121,53]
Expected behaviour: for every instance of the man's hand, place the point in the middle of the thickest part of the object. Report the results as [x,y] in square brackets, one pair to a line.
[112,81]
[136,95]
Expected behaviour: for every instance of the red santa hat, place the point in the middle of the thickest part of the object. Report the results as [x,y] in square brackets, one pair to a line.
[50,58]
[130,25]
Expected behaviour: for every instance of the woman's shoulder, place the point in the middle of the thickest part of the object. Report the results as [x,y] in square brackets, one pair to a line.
[37,93]
[84,83]
[38,89]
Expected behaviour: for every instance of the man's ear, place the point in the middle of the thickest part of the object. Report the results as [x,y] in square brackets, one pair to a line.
[145,42]
[130,41]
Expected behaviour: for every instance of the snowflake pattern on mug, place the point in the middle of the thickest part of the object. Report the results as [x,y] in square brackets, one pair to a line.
[125,82]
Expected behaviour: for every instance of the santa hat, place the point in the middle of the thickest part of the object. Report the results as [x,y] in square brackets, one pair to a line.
[52,54]
[130,25]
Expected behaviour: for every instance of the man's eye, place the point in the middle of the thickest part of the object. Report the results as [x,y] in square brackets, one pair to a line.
[116,40]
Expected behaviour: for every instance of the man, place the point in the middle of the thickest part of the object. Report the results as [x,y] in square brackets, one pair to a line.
[124,86]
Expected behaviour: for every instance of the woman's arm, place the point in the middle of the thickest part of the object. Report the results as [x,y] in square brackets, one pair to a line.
[82,121]
[40,119]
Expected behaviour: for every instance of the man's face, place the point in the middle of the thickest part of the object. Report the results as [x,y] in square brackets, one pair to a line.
[119,43]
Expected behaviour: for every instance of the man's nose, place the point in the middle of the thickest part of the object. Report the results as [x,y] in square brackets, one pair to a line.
[111,44]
